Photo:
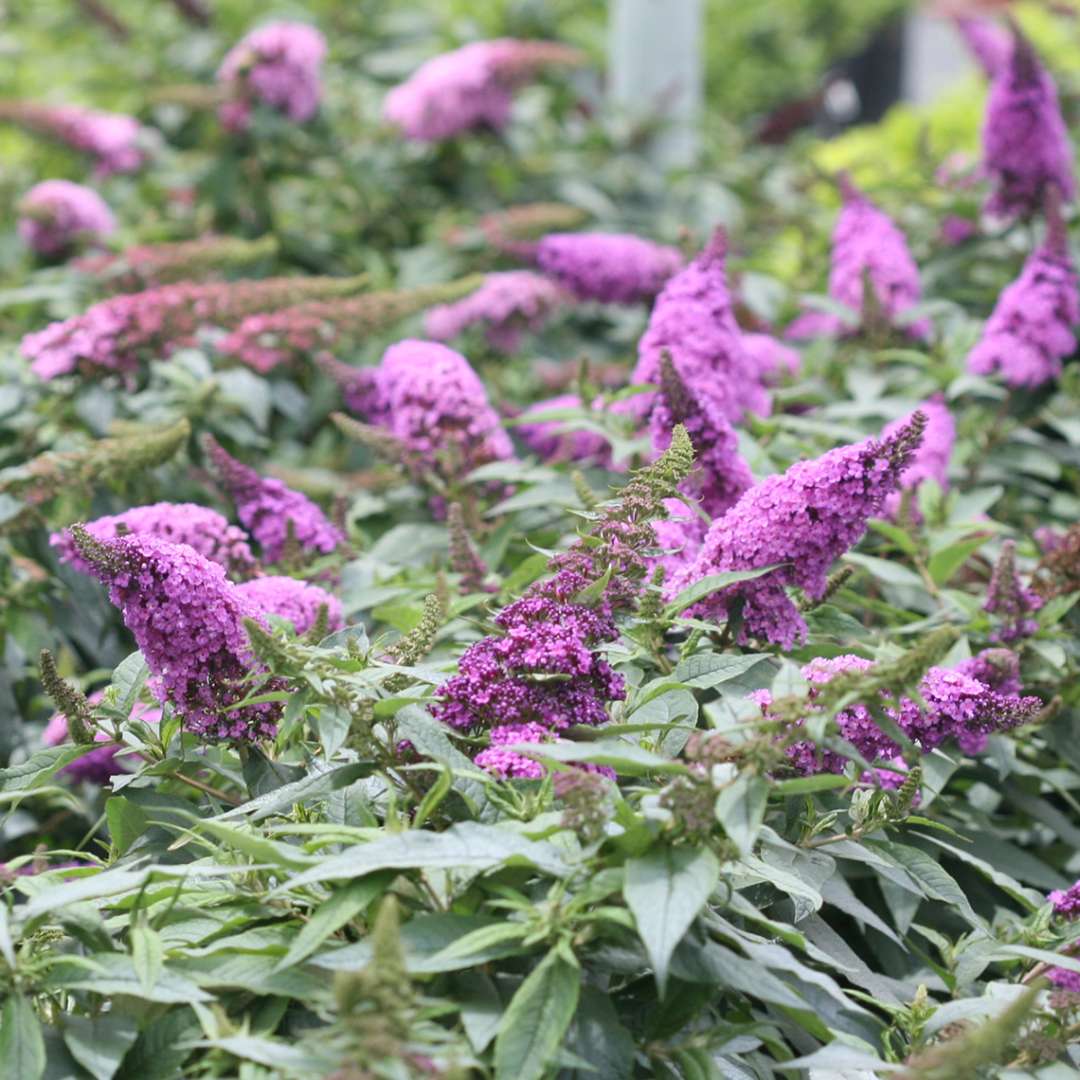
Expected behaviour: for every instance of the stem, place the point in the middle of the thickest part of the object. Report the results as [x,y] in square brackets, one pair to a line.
[199,785]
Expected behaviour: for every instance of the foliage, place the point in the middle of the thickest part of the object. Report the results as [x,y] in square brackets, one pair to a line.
[357,896]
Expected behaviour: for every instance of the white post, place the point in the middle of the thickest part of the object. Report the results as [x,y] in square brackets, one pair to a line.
[656,71]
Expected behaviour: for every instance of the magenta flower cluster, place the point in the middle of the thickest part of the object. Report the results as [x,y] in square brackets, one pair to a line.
[773,359]
[552,441]
[57,216]
[693,321]
[614,268]
[187,619]
[720,475]
[114,335]
[931,460]
[295,601]
[429,398]
[1030,330]
[278,65]
[1026,147]
[717,481]
[199,527]
[1010,600]
[866,247]
[1066,901]
[958,706]
[272,512]
[803,519]
[116,142]
[506,305]
[989,43]
[539,676]
[468,88]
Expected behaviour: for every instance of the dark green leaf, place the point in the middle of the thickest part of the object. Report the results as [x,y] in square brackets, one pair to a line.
[536,1020]
[665,890]
[22,1049]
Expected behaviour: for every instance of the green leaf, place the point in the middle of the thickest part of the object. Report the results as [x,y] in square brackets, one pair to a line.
[265,777]
[467,845]
[706,586]
[40,767]
[943,564]
[424,939]
[162,1047]
[936,883]
[127,822]
[1055,609]
[626,758]
[705,670]
[887,571]
[533,1026]
[665,889]
[99,1043]
[330,916]
[900,537]
[129,678]
[147,955]
[740,809]
[22,1048]
[808,785]
[599,1038]
[114,973]
[482,939]
[259,848]
[275,1054]
[309,787]
[1027,898]
[480,1006]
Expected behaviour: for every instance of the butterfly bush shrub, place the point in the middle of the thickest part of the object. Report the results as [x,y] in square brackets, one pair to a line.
[476,603]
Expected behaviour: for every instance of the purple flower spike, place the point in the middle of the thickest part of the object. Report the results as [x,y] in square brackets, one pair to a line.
[693,321]
[294,600]
[867,247]
[1066,902]
[57,216]
[614,268]
[805,519]
[1030,330]
[118,143]
[278,64]
[507,304]
[471,87]
[931,460]
[959,706]
[197,526]
[1026,147]
[268,509]
[1007,598]
[188,621]
[989,43]
[429,398]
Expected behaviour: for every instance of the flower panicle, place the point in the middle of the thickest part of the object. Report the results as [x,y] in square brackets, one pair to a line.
[516,229]
[149,265]
[114,458]
[416,644]
[116,334]
[464,558]
[273,336]
[891,677]
[67,699]
[377,439]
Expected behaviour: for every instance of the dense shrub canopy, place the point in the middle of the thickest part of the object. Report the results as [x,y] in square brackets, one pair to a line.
[476,605]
